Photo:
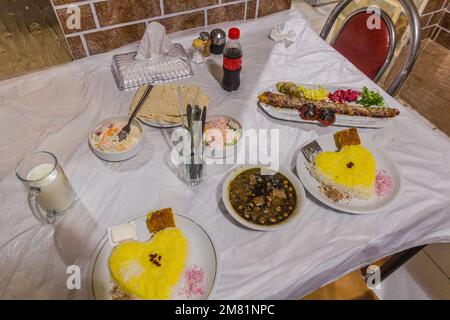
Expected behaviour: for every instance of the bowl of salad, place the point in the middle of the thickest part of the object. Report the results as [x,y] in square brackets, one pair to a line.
[222,136]
[104,140]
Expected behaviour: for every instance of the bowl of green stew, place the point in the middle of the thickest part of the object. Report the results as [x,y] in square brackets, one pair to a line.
[262,198]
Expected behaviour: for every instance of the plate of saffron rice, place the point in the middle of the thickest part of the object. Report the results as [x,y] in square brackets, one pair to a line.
[176,262]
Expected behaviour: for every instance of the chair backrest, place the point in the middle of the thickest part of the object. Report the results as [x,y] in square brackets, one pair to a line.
[371,50]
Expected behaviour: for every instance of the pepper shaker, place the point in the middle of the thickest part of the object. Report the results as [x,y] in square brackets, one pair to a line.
[218,39]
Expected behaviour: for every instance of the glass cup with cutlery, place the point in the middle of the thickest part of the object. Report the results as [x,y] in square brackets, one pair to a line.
[192,167]
[50,193]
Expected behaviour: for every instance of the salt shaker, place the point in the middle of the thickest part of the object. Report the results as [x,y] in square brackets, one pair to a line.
[218,39]
[197,51]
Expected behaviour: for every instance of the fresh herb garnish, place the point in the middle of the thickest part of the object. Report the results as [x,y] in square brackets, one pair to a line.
[370,98]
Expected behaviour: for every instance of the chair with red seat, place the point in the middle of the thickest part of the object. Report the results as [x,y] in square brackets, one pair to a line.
[367,39]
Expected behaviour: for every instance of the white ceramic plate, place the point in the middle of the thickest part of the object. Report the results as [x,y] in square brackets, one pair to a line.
[159,124]
[357,206]
[300,191]
[341,120]
[117,156]
[202,255]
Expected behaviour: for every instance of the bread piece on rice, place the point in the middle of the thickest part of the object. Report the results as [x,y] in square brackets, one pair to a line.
[347,137]
[160,219]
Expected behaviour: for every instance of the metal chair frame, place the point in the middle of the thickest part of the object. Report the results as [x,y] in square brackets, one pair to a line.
[414,26]
[318,3]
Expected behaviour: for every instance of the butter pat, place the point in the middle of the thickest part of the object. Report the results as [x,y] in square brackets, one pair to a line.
[122,232]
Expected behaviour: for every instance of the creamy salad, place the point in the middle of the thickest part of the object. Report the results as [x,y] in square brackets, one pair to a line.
[106,137]
[221,132]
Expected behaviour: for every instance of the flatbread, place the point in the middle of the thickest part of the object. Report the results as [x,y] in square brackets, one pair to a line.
[162,104]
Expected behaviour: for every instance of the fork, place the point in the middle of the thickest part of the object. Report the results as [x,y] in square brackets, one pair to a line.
[310,149]
[126,130]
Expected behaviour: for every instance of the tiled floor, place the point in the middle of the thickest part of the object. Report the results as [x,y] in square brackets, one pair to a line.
[427,88]
[349,287]
[424,277]
[419,279]
[427,275]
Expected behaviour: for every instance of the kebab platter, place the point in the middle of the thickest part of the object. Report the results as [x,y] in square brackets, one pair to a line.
[326,105]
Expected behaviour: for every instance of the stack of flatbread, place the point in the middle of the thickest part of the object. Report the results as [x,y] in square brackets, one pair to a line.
[162,105]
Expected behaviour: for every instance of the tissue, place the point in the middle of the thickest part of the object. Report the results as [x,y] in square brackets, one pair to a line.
[155,43]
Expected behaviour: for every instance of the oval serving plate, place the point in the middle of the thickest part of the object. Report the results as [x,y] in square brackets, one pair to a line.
[202,254]
[341,120]
[300,191]
[356,206]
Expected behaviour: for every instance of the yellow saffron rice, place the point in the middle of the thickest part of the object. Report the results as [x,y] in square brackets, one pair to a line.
[352,169]
[134,271]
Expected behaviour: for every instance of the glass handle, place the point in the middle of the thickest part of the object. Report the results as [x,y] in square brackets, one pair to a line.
[37,212]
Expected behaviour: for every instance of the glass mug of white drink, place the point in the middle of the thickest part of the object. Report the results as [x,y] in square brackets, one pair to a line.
[50,193]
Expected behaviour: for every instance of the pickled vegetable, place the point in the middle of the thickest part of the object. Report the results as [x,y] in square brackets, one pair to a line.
[291,89]
[342,96]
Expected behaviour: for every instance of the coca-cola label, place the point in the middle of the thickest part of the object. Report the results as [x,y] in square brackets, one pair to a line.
[232,63]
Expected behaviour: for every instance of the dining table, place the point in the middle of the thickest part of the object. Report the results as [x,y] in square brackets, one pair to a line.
[56,109]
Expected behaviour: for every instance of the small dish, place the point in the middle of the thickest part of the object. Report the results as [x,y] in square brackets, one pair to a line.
[121,155]
[299,191]
[227,150]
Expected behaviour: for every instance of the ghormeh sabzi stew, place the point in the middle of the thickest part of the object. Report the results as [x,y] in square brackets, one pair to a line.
[263,199]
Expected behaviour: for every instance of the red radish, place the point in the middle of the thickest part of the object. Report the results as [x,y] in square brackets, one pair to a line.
[341,96]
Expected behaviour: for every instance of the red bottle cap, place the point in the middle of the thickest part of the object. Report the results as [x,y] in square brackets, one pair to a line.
[234,33]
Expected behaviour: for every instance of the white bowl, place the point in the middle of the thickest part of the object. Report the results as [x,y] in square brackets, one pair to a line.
[226,151]
[117,156]
[300,191]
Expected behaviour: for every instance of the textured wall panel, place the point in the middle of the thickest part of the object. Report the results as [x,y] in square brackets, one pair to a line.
[30,37]
[108,24]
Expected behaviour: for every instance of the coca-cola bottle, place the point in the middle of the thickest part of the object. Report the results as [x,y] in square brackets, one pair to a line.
[232,61]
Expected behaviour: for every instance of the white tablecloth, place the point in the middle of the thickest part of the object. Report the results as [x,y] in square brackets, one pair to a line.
[55,109]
